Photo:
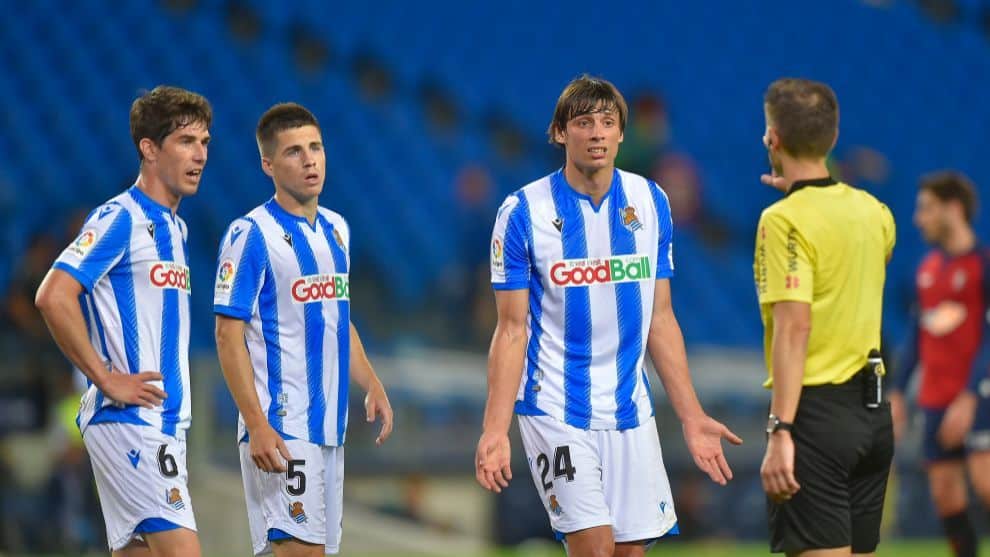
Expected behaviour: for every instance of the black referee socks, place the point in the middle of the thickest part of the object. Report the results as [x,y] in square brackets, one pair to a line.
[962,537]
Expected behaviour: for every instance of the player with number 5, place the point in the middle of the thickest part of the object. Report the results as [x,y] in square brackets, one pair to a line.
[580,263]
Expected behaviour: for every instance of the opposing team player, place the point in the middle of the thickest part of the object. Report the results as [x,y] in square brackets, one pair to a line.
[117,303]
[287,346]
[580,262]
[951,342]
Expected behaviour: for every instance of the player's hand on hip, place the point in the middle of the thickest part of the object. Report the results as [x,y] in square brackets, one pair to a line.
[898,414]
[376,404]
[958,420]
[777,471]
[703,436]
[492,463]
[268,450]
[133,388]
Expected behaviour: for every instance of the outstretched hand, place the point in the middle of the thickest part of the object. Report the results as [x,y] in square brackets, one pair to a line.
[704,441]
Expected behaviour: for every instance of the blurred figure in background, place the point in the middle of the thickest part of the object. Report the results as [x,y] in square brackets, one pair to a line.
[117,302]
[950,341]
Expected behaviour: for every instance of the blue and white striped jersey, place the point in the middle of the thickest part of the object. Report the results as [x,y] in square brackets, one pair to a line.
[591,275]
[289,281]
[131,259]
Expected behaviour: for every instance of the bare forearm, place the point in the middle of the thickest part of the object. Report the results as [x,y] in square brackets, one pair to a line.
[235,362]
[666,347]
[65,321]
[505,364]
[790,347]
[361,371]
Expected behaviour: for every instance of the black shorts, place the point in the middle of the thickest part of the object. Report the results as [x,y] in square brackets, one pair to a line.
[842,459]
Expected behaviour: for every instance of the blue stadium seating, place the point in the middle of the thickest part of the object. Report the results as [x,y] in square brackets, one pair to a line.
[909,88]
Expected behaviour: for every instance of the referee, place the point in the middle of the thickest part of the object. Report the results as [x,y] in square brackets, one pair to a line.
[820,260]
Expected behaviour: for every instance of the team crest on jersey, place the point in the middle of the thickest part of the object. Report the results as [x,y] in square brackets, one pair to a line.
[498,255]
[630,220]
[169,274]
[555,507]
[297,513]
[336,236]
[83,243]
[320,288]
[174,499]
[225,276]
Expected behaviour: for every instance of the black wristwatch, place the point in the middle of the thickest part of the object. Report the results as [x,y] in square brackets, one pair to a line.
[774,424]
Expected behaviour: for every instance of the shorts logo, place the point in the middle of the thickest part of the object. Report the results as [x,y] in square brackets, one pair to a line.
[225,276]
[174,499]
[83,243]
[168,274]
[629,219]
[581,272]
[320,288]
[498,256]
[297,513]
[555,507]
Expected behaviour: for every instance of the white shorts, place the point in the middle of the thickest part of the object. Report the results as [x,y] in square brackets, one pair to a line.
[590,478]
[140,474]
[306,502]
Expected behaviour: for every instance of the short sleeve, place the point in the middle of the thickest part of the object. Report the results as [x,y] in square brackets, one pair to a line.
[240,269]
[665,232]
[509,257]
[102,242]
[782,267]
[889,230]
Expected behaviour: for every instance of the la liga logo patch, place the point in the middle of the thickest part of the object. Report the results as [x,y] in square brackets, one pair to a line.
[84,243]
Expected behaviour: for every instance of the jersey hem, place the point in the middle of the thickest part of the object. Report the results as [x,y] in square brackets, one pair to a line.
[517,285]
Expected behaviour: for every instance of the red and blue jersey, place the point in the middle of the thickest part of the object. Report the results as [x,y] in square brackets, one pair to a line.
[949,339]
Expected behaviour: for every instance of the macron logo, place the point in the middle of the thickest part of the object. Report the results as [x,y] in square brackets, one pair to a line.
[234,234]
[135,457]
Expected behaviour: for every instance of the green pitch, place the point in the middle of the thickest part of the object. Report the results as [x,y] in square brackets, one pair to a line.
[921,548]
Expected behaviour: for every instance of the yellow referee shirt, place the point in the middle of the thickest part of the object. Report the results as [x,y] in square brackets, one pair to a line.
[826,244]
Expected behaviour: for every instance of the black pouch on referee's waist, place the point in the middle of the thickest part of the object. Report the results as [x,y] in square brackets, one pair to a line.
[872,384]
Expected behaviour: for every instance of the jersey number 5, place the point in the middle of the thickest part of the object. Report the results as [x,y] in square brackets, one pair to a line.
[562,466]
[295,473]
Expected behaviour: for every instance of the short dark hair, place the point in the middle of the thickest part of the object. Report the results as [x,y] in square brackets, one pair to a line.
[164,109]
[949,185]
[584,95]
[805,114]
[281,117]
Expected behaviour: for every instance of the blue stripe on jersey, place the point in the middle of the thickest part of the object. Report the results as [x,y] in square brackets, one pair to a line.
[665,228]
[313,316]
[577,310]
[343,333]
[649,391]
[629,309]
[171,369]
[530,393]
[122,282]
[246,284]
[115,240]
[268,312]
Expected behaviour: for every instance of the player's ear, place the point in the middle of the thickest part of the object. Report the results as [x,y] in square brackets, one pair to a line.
[559,136]
[266,166]
[148,149]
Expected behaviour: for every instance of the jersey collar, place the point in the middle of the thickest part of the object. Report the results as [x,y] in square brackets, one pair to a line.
[616,182]
[817,183]
[282,215]
[147,203]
